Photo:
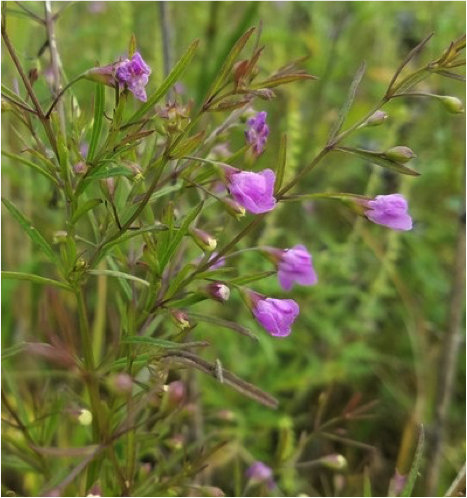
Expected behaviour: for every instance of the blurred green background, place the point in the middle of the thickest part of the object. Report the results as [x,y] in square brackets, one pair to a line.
[374,328]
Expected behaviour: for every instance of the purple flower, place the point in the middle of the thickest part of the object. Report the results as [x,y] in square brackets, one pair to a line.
[257,132]
[253,191]
[260,473]
[389,211]
[134,74]
[296,265]
[275,315]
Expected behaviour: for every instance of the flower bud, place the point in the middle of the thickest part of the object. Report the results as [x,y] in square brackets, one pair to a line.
[104,74]
[334,462]
[452,104]
[176,392]
[218,291]
[377,118]
[122,383]
[59,237]
[85,417]
[203,240]
[400,154]
[180,318]
[80,168]
[6,106]
[234,208]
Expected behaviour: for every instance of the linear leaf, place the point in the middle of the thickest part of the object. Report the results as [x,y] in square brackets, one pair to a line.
[12,351]
[251,278]
[228,64]
[282,163]
[12,275]
[413,474]
[14,96]
[179,234]
[84,208]
[179,278]
[187,146]
[380,160]
[224,324]
[275,81]
[151,341]
[30,164]
[99,108]
[35,236]
[171,79]
[348,103]
[119,274]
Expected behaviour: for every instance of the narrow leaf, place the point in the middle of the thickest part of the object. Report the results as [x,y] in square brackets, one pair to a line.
[348,103]
[276,81]
[11,275]
[413,474]
[84,208]
[171,79]
[35,236]
[179,278]
[179,234]
[151,341]
[248,279]
[30,164]
[12,351]
[224,324]
[282,163]
[187,146]
[379,159]
[228,64]
[119,274]
[367,493]
[99,108]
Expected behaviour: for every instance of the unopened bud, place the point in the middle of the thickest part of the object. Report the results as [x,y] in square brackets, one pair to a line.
[59,237]
[80,168]
[180,318]
[176,392]
[234,208]
[377,118]
[6,106]
[334,462]
[85,417]
[400,154]
[122,383]
[103,75]
[205,241]
[452,104]
[218,291]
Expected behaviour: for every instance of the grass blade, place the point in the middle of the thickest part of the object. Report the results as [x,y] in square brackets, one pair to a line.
[119,274]
[282,163]
[413,474]
[99,108]
[171,79]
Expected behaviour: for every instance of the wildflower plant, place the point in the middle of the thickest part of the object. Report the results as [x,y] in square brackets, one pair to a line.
[138,207]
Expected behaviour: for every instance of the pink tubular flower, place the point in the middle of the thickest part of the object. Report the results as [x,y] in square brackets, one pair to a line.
[389,211]
[296,266]
[134,74]
[260,473]
[257,132]
[253,191]
[275,315]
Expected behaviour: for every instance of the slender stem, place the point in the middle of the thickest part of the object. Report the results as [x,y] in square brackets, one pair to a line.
[62,91]
[55,62]
[45,122]
[90,378]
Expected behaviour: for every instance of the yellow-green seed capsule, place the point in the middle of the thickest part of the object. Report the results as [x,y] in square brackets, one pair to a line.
[400,154]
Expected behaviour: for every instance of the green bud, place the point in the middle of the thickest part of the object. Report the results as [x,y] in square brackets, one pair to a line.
[334,462]
[204,241]
[452,104]
[85,417]
[377,118]
[399,154]
[59,237]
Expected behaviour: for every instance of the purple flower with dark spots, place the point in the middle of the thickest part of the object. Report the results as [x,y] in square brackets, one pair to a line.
[257,132]
[253,191]
[296,266]
[260,473]
[275,315]
[134,74]
[390,211]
